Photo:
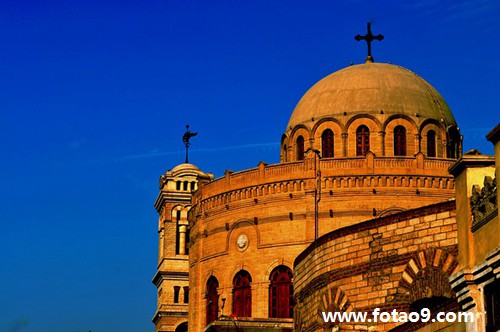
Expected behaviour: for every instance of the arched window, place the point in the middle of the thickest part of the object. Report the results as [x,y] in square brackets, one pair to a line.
[400,141]
[212,299]
[183,327]
[285,153]
[362,140]
[453,145]
[431,143]
[281,293]
[242,294]
[300,148]
[177,290]
[177,232]
[186,294]
[327,144]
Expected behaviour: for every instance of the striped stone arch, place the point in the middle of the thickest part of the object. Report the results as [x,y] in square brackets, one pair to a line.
[427,274]
[333,299]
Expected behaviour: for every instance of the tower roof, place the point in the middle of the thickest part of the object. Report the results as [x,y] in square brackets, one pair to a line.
[185,168]
[371,88]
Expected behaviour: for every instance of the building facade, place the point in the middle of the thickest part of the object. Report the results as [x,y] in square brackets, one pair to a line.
[172,277]
[360,212]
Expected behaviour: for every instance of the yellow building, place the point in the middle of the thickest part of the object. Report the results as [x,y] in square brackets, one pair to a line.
[364,168]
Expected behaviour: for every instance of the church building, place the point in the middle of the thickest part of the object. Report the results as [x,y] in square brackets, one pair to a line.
[360,213]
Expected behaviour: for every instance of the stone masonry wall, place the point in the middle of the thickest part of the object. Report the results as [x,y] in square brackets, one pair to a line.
[387,263]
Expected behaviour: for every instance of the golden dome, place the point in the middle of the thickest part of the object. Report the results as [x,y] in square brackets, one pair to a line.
[371,88]
[185,168]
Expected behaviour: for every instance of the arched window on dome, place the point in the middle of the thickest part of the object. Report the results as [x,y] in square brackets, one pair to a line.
[242,294]
[327,144]
[400,141]
[362,140]
[300,148]
[431,143]
[453,142]
[212,299]
[281,293]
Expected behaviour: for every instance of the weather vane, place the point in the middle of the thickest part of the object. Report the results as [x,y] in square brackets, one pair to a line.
[369,37]
[187,136]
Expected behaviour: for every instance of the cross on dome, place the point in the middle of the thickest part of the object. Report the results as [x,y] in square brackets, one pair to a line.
[369,37]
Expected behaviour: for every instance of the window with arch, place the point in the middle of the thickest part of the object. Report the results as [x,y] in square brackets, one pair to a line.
[212,299]
[186,294]
[362,140]
[327,144]
[177,290]
[242,294]
[177,231]
[300,148]
[431,143]
[183,327]
[281,293]
[400,141]
[453,142]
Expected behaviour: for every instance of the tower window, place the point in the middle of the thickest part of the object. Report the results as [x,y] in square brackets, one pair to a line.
[400,141]
[178,185]
[185,185]
[492,304]
[327,144]
[300,148]
[192,186]
[453,145]
[177,290]
[177,232]
[431,143]
[362,140]
[212,299]
[281,293]
[186,294]
[242,294]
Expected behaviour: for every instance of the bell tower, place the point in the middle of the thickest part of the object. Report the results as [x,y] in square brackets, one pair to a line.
[172,277]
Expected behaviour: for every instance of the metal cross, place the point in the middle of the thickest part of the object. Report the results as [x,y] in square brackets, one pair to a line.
[187,136]
[369,37]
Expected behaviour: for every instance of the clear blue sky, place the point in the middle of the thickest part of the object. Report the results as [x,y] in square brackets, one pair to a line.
[94,97]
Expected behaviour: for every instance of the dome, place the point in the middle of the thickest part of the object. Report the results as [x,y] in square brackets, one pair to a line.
[371,88]
[185,168]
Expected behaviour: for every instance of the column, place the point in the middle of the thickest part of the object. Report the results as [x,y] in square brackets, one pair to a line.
[182,240]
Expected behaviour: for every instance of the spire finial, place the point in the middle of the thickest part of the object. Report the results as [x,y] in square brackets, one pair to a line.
[369,37]
[187,136]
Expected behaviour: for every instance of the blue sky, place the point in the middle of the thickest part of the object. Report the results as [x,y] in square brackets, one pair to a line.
[95,96]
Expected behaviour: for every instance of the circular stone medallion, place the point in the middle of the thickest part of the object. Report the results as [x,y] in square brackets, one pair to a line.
[242,242]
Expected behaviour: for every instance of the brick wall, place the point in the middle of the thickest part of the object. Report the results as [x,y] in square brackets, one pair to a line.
[388,263]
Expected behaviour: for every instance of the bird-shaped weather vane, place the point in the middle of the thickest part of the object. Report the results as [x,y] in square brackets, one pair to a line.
[187,136]
[369,37]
